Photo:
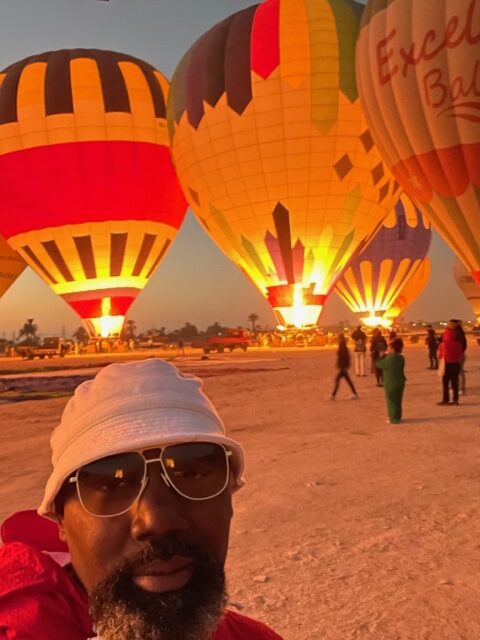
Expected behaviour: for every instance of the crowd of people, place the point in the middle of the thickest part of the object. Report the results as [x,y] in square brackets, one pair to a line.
[446,354]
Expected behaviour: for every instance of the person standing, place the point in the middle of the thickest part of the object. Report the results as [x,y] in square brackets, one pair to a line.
[378,344]
[432,344]
[462,338]
[451,350]
[360,340]
[393,368]
[343,364]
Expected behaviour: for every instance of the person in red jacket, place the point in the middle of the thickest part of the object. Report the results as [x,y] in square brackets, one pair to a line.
[451,349]
[138,508]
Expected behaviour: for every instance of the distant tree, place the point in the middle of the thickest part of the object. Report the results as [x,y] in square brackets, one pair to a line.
[253,317]
[81,335]
[155,333]
[214,329]
[128,332]
[29,331]
[188,331]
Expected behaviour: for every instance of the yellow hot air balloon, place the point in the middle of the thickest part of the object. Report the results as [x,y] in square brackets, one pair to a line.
[377,275]
[468,286]
[411,291]
[11,266]
[273,151]
[418,70]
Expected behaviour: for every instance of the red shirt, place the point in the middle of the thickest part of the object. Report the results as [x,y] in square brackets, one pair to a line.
[450,348]
[40,600]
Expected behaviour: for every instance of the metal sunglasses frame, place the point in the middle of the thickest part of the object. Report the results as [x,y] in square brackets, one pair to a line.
[164,476]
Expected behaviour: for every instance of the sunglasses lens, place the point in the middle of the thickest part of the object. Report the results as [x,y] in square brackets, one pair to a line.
[197,470]
[111,485]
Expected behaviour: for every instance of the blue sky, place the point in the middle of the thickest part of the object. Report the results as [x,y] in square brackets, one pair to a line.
[160,31]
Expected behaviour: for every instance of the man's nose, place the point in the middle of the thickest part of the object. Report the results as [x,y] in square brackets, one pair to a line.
[159,510]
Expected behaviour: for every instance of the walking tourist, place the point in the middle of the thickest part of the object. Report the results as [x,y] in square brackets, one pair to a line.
[343,364]
[393,366]
[141,495]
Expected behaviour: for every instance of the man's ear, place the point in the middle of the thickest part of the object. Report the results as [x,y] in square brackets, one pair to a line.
[61,529]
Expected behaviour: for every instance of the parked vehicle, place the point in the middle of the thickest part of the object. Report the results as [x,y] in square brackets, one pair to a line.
[230,339]
[48,348]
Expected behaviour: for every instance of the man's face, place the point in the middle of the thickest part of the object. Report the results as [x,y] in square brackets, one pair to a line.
[155,571]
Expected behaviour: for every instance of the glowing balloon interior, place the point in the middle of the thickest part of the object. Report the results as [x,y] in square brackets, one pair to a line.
[272,149]
[411,291]
[89,194]
[418,70]
[377,275]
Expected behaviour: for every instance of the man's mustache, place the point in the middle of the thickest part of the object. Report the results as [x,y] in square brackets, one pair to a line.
[163,550]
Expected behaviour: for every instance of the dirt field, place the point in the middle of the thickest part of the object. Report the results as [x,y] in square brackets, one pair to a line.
[348,528]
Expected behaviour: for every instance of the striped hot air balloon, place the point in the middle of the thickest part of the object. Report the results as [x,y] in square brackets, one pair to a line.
[11,266]
[89,195]
[376,277]
[418,70]
[468,286]
[273,151]
[411,291]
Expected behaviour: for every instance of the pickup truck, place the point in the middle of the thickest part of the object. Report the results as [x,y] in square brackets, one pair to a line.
[49,348]
[230,339]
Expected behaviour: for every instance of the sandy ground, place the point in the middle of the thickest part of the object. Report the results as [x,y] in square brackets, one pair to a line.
[348,528]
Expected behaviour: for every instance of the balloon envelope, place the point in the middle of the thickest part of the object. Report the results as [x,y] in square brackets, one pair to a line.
[418,69]
[89,195]
[376,277]
[468,286]
[411,291]
[11,266]
[272,149]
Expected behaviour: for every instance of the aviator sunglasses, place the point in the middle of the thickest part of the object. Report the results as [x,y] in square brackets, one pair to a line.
[110,486]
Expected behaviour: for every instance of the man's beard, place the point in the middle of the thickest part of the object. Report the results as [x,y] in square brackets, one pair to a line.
[122,610]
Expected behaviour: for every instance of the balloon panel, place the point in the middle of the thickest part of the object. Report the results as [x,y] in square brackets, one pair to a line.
[376,276]
[418,74]
[468,286]
[272,148]
[413,288]
[11,266]
[90,198]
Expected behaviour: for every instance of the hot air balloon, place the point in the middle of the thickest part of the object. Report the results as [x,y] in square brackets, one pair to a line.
[418,70]
[376,276]
[11,266]
[410,291]
[272,149]
[468,286]
[89,195]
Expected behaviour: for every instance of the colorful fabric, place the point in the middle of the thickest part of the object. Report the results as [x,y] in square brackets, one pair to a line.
[392,367]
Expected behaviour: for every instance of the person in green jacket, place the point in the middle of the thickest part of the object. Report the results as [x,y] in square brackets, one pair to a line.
[392,366]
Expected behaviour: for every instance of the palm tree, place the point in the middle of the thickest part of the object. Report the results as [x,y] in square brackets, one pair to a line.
[29,330]
[81,335]
[214,329]
[129,329]
[253,319]
[188,331]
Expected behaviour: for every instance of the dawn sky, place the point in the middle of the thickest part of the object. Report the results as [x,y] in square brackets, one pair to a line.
[195,282]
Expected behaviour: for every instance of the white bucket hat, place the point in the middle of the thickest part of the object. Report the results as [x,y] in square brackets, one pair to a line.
[129,407]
